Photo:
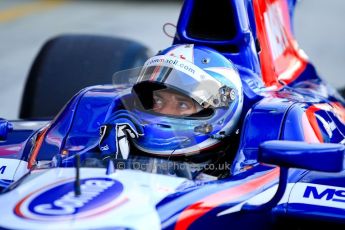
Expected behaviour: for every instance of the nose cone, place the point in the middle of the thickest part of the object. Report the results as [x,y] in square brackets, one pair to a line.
[126,199]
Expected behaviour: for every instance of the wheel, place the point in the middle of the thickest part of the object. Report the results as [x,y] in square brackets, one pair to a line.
[68,63]
[342,92]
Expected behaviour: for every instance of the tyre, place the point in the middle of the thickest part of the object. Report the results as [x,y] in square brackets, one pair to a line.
[68,63]
[342,92]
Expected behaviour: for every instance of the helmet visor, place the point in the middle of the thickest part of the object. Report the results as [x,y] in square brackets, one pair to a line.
[185,78]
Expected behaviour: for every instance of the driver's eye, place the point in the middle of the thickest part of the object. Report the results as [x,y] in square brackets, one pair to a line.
[184,105]
[158,102]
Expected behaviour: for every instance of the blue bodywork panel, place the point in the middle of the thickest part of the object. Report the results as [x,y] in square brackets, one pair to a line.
[277,107]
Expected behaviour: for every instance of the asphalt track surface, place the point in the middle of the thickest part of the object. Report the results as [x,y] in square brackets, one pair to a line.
[26,24]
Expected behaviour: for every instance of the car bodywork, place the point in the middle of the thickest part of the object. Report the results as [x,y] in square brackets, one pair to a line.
[287,169]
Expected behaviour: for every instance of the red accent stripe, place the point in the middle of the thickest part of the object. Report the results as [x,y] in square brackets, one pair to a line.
[116,205]
[291,63]
[200,208]
[155,73]
[39,141]
[8,150]
[339,111]
[308,132]
[313,122]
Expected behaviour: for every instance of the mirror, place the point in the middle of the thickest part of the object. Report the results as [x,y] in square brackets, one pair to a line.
[325,157]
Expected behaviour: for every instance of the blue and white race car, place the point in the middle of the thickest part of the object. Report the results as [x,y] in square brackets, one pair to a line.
[282,166]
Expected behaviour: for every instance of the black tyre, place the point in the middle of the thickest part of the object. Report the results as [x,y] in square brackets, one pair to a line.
[68,63]
[342,92]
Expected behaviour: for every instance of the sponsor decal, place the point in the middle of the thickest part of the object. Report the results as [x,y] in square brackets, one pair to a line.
[280,57]
[320,195]
[58,201]
[11,169]
[176,63]
[330,194]
[274,25]
[2,169]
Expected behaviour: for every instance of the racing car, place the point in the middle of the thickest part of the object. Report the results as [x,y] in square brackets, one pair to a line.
[284,167]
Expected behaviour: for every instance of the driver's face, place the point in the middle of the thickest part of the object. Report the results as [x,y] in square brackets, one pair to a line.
[170,103]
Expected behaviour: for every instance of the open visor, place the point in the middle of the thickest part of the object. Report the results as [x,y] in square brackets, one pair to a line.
[183,77]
